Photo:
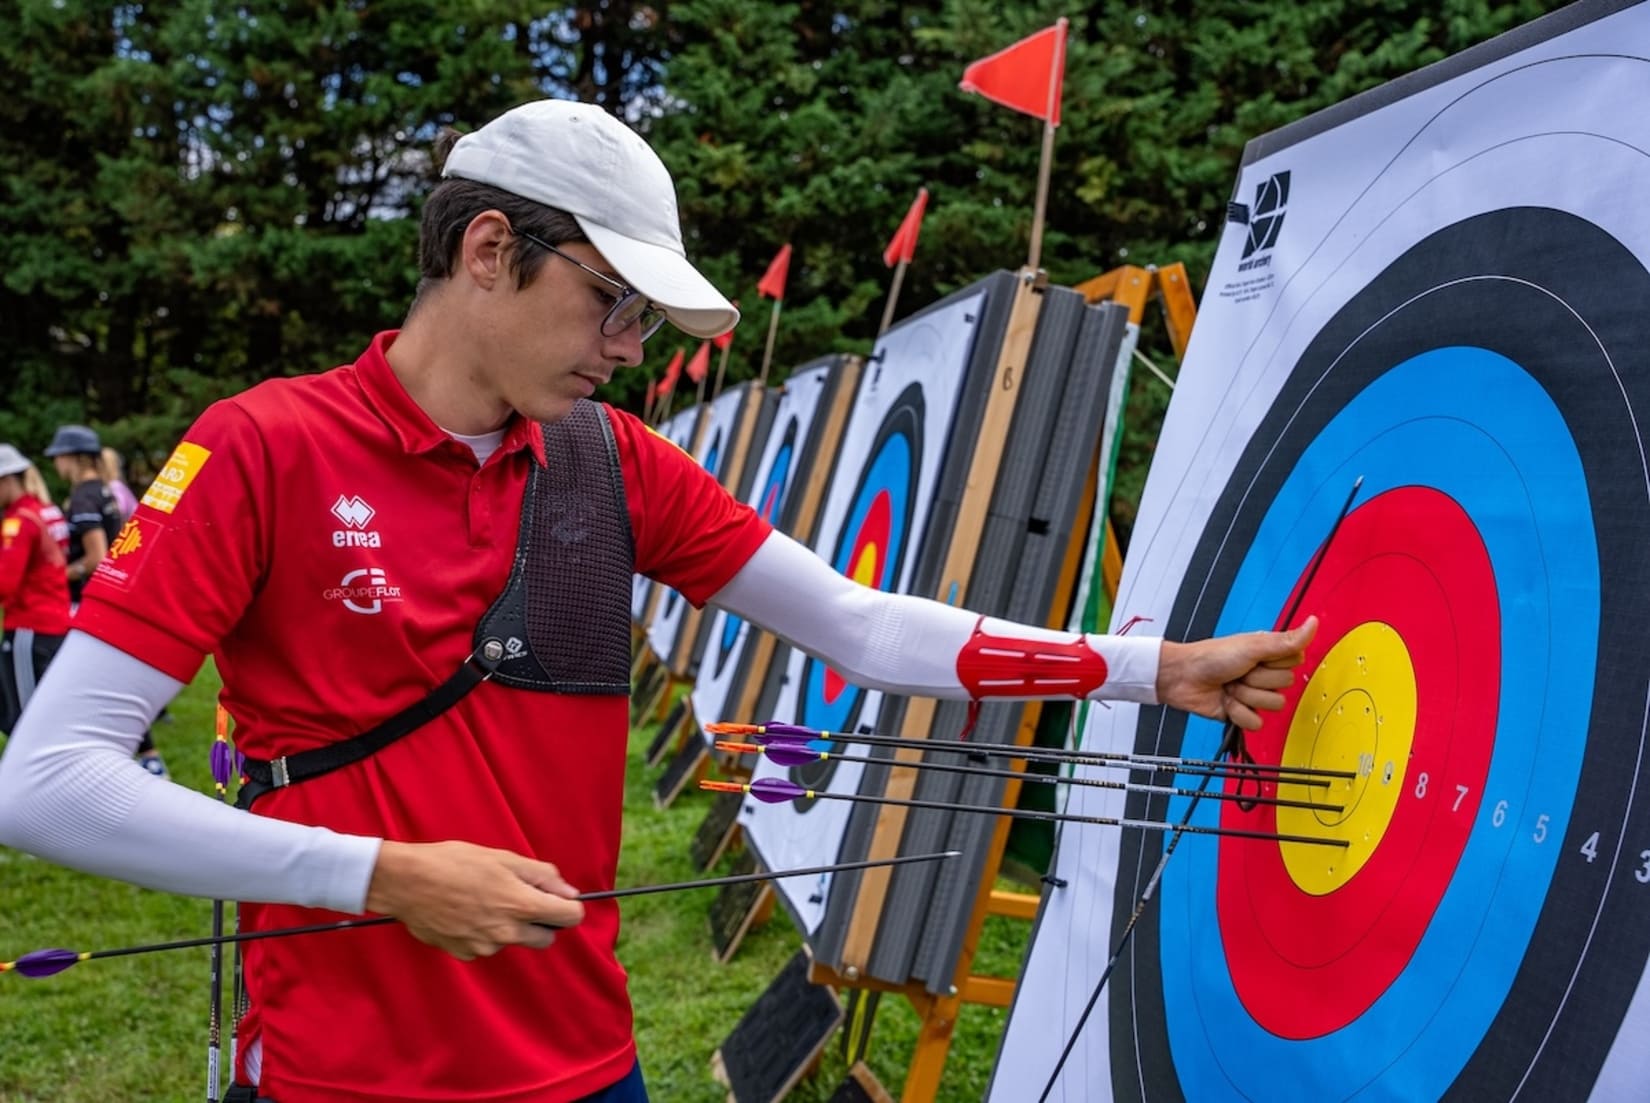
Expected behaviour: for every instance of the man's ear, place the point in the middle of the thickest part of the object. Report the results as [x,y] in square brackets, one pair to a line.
[484,252]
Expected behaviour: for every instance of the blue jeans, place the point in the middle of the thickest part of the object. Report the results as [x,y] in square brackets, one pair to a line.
[629,1090]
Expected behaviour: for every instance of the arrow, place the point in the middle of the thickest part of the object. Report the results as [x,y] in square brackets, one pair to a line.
[785,753]
[46,963]
[223,771]
[796,734]
[776,790]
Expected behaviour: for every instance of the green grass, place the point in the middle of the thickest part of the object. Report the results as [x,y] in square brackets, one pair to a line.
[134,1028]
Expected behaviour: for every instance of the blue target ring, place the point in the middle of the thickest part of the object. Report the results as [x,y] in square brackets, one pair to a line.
[1492,440]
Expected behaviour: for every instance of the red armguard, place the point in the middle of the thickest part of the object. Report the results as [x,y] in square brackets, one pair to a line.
[1001,666]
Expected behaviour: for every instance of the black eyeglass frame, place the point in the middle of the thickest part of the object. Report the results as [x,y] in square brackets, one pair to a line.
[650,317]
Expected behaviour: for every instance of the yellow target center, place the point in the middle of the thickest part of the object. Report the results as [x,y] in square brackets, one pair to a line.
[865,566]
[1357,715]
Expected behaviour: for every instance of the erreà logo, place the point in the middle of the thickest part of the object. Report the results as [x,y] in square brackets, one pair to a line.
[355,513]
[1265,219]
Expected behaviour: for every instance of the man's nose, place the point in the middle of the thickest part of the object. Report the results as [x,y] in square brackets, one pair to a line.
[626,347]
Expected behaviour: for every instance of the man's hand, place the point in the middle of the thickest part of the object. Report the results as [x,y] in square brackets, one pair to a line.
[1231,677]
[471,901]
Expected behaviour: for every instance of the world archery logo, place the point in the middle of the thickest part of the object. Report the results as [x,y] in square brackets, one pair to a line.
[1265,219]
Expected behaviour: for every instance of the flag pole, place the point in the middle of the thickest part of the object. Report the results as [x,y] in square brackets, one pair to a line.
[773,331]
[1045,168]
[721,366]
[893,298]
[1041,209]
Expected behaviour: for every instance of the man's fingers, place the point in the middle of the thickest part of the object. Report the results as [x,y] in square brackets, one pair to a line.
[536,936]
[551,900]
[1242,715]
[1269,699]
[1266,677]
[542,876]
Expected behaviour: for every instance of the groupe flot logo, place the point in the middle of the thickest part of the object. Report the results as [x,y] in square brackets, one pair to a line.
[364,590]
[354,514]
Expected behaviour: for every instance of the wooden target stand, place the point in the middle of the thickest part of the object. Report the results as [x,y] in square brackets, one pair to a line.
[1133,287]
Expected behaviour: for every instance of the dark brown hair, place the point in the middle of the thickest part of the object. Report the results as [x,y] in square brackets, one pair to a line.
[455,203]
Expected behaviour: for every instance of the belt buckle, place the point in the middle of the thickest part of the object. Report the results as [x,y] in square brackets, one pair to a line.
[278,773]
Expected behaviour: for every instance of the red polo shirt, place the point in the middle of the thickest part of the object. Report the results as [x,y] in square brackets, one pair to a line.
[335,550]
[34,590]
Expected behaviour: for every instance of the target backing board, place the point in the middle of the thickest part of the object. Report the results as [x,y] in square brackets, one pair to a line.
[1018,560]
[715,444]
[870,528]
[1440,287]
[789,451]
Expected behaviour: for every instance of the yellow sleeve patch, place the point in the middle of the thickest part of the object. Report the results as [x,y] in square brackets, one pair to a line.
[667,440]
[167,489]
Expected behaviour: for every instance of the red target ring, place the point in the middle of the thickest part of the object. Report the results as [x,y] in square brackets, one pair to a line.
[1305,964]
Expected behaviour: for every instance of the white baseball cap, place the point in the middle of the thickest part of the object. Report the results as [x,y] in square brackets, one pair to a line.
[12,462]
[580,159]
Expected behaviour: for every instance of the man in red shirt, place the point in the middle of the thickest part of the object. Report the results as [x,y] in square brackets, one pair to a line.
[451,511]
[34,593]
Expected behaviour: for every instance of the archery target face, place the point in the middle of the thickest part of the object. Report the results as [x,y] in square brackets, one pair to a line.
[769,501]
[711,460]
[786,451]
[871,548]
[678,430]
[1489,404]
[1469,335]
[714,446]
[871,528]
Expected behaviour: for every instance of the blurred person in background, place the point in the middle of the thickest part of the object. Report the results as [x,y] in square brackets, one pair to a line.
[95,521]
[112,470]
[34,589]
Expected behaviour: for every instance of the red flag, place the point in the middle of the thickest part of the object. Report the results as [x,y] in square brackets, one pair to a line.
[1028,76]
[904,244]
[700,364]
[772,283]
[725,339]
[672,371]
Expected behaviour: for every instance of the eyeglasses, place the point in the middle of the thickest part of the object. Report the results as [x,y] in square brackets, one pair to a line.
[630,307]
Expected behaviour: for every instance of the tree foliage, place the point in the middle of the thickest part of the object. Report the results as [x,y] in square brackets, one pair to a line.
[201,195]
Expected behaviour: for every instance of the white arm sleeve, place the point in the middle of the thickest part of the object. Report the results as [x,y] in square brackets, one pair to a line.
[70,792]
[894,642]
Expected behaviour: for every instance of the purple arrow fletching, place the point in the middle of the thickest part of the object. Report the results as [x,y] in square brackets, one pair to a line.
[45,963]
[790,752]
[223,762]
[775,790]
[789,731]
